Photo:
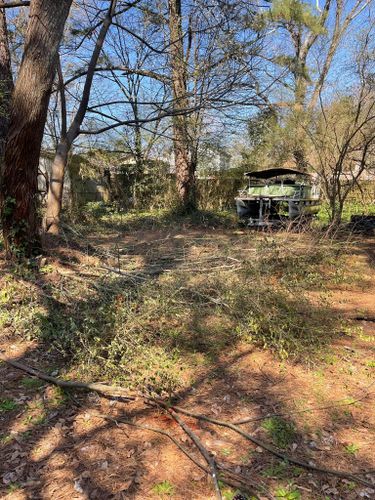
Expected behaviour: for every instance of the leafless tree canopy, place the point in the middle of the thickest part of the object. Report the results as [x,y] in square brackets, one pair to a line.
[167,79]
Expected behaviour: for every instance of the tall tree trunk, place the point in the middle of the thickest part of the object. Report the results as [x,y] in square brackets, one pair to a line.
[185,170]
[6,83]
[138,153]
[19,193]
[299,152]
[55,193]
[56,179]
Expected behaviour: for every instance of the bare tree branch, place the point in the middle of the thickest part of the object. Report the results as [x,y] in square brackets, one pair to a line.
[20,3]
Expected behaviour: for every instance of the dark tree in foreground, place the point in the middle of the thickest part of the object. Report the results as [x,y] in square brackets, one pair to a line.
[184,173]
[6,82]
[19,189]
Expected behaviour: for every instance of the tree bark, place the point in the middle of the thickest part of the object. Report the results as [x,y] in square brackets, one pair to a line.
[56,186]
[19,193]
[6,83]
[185,170]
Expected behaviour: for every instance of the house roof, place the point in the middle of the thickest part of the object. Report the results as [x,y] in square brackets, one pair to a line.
[273,172]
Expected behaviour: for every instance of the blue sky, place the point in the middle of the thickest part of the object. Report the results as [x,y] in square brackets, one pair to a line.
[229,124]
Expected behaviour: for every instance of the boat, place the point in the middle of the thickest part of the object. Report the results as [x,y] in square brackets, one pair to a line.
[277,196]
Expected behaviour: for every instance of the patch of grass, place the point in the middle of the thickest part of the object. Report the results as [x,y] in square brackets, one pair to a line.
[366,338]
[351,448]
[349,400]
[276,470]
[319,374]
[280,431]
[26,435]
[35,419]
[39,420]
[21,310]
[4,296]
[47,269]
[351,207]
[6,439]
[57,396]
[281,470]
[37,404]
[101,215]
[289,493]
[245,458]
[329,359]
[165,488]
[340,416]
[229,493]
[14,487]
[226,452]
[32,383]
[7,405]
[350,485]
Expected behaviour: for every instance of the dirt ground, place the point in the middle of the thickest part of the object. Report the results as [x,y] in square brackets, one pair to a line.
[69,451]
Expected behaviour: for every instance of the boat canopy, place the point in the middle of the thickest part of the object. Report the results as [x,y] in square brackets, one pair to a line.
[274,172]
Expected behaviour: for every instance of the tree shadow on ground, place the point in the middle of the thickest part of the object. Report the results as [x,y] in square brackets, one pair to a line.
[124,452]
[131,221]
[247,391]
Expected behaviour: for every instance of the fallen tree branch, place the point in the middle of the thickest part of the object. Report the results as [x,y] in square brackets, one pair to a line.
[119,392]
[272,450]
[206,455]
[105,390]
[365,318]
[142,275]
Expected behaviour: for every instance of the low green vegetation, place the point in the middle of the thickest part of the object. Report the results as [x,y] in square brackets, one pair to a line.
[32,383]
[190,300]
[352,448]
[5,439]
[289,493]
[35,419]
[163,489]
[281,470]
[231,493]
[280,431]
[355,206]
[14,487]
[7,405]
[106,216]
